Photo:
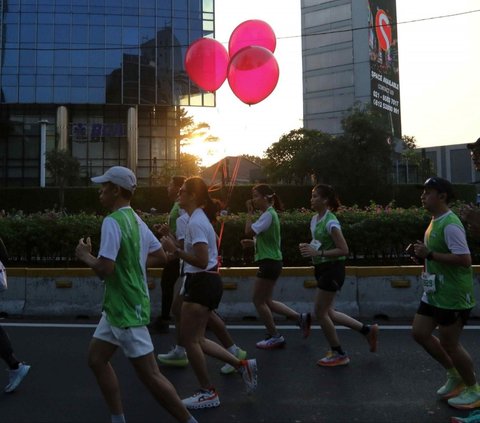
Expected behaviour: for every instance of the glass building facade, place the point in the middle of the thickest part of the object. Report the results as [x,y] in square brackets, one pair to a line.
[108,77]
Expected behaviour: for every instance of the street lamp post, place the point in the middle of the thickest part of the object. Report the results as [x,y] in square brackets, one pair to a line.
[43,149]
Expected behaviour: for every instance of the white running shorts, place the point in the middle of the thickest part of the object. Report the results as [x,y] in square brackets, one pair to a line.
[135,342]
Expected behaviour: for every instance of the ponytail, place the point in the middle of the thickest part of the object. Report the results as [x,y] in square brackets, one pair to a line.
[266,191]
[327,191]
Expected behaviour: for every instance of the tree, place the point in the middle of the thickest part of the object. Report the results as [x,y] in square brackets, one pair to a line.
[289,159]
[64,169]
[412,155]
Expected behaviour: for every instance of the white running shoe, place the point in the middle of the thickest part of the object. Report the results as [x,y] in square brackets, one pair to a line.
[248,369]
[204,398]
[174,358]
[16,376]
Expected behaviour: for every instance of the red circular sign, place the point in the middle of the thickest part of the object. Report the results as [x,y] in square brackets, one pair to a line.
[383,29]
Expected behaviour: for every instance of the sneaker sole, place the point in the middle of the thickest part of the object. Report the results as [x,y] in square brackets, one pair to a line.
[10,389]
[227,371]
[273,347]
[471,406]
[203,405]
[343,363]
[453,393]
[172,363]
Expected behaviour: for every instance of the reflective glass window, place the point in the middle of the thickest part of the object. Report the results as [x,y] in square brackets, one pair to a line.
[10,94]
[63,18]
[61,58]
[27,33]
[11,33]
[27,58]
[78,95]
[112,20]
[28,80]
[97,35]
[62,33]
[45,80]
[44,57]
[46,17]
[61,94]
[9,81]
[28,18]
[45,34]
[61,80]
[96,59]
[80,34]
[26,94]
[10,58]
[44,94]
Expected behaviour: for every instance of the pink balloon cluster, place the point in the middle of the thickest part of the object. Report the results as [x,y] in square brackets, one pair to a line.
[249,65]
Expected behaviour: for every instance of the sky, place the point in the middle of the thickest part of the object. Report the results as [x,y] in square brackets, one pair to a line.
[439,77]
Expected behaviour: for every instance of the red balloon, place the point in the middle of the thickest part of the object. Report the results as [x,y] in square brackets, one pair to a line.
[252,33]
[253,74]
[206,63]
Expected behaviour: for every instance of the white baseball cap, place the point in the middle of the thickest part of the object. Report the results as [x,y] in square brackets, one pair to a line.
[118,175]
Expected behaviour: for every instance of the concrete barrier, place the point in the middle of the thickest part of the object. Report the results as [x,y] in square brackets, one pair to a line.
[368,293]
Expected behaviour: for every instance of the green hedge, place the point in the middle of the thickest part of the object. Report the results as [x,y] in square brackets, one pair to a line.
[77,200]
[376,235]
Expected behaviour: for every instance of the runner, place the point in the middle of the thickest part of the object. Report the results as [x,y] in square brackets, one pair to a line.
[203,292]
[266,240]
[177,356]
[16,369]
[328,250]
[125,246]
[448,295]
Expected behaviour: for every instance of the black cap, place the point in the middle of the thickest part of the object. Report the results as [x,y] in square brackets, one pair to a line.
[440,185]
[473,145]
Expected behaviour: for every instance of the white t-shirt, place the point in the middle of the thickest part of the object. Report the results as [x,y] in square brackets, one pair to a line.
[111,236]
[181,226]
[200,230]
[262,223]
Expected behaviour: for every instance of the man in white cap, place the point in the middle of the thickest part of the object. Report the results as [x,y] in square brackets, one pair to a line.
[127,246]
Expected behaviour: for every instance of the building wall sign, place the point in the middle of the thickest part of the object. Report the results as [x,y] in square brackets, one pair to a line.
[384,68]
[84,132]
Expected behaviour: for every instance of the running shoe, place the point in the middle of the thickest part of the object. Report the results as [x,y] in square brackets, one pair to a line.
[333,358]
[467,400]
[372,337]
[271,342]
[248,369]
[452,387]
[305,323]
[473,417]
[174,358]
[16,376]
[228,368]
[204,398]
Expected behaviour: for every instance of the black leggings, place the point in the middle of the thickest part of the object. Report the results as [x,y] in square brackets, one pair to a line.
[170,274]
[6,351]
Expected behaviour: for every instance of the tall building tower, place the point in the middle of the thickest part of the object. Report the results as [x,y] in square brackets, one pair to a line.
[350,55]
[103,79]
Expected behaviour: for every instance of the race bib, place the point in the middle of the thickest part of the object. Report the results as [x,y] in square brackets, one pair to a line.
[428,282]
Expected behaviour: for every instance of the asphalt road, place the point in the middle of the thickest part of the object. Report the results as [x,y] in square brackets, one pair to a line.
[396,384]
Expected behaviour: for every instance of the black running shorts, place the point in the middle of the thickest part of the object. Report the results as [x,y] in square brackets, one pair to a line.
[443,316]
[203,288]
[269,269]
[330,276]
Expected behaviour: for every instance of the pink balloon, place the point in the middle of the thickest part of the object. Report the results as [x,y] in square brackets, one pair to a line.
[206,63]
[253,74]
[252,33]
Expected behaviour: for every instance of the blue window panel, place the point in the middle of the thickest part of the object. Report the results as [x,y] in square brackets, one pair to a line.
[9,80]
[62,8]
[96,81]
[148,3]
[27,80]
[10,94]
[9,70]
[27,58]
[96,58]
[44,70]
[27,33]
[79,58]
[26,94]
[62,80]
[44,94]
[113,20]
[63,18]
[79,95]
[147,21]
[130,20]
[96,95]
[61,58]
[77,70]
[130,36]
[62,34]
[79,81]
[80,34]
[11,33]
[28,18]
[112,35]
[97,35]
[45,16]
[10,58]
[61,94]
[45,34]
[113,59]
[44,57]
[45,80]
[99,11]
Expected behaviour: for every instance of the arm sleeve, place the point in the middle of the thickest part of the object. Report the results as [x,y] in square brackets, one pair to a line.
[333,224]
[110,240]
[181,227]
[262,224]
[198,233]
[456,239]
[153,242]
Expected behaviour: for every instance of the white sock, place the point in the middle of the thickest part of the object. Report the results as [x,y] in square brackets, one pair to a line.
[118,418]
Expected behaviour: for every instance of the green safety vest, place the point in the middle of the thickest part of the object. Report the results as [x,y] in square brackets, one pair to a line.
[453,284]
[127,302]
[267,244]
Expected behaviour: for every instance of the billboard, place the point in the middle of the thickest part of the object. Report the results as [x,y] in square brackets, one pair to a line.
[384,72]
